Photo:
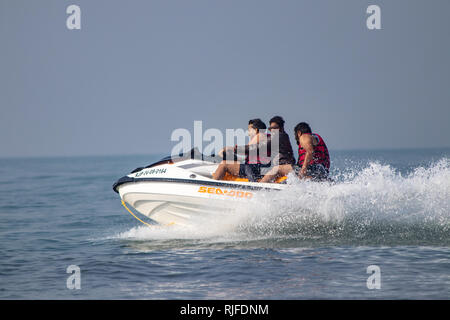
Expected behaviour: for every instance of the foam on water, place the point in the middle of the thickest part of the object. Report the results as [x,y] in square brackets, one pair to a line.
[374,205]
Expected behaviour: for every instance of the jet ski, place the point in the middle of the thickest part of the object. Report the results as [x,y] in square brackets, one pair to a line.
[180,190]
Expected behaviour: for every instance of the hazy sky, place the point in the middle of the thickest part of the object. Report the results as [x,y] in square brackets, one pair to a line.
[137,70]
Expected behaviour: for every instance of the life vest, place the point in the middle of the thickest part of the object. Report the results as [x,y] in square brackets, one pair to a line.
[320,154]
[257,158]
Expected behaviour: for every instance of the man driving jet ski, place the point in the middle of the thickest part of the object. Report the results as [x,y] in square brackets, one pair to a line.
[254,159]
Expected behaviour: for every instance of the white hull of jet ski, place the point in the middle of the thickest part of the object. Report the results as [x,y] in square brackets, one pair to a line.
[182,192]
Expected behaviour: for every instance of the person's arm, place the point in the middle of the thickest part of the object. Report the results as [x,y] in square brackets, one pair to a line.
[225,150]
[254,139]
[307,143]
[252,145]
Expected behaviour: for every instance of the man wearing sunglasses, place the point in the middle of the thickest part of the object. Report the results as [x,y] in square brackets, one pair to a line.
[276,151]
[282,156]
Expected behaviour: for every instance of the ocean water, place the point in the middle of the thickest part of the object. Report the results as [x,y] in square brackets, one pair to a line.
[389,209]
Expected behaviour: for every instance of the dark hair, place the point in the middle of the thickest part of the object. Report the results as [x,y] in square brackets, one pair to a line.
[303,127]
[257,124]
[278,120]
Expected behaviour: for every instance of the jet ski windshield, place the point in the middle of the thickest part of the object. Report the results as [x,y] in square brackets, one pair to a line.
[194,153]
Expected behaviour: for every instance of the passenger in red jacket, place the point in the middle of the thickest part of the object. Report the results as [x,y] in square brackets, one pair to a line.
[313,157]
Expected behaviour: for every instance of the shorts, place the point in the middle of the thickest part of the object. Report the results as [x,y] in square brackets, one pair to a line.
[316,171]
[253,171]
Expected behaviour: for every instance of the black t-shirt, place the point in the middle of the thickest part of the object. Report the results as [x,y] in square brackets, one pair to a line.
[285,154]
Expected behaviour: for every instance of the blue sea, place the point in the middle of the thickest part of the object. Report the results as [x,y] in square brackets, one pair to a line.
[388,211]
